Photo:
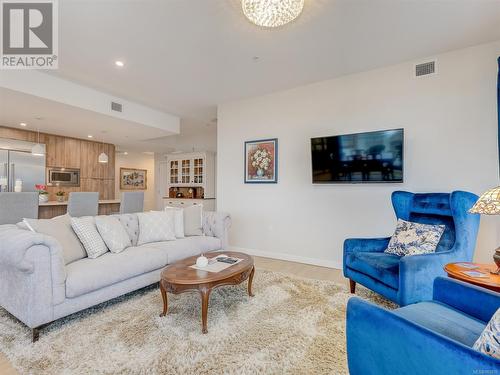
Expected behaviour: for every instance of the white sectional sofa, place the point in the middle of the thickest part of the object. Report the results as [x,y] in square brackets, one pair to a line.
[38,287]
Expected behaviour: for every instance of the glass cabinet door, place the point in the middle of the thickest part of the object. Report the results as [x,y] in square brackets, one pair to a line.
[198,170]
[186,172]
[174,172]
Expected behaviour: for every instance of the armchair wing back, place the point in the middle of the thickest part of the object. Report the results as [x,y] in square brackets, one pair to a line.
[407,280]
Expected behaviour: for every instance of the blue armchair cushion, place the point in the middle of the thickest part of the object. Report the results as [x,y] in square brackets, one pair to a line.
[445,320]
[414,238]
[489,341]
[380,266]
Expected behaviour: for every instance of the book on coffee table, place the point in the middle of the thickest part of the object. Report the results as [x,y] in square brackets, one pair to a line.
[216,264]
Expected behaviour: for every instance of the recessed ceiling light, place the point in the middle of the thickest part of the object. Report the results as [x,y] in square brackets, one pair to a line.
[90,136]
[119,63]
[125,153]
[23,124]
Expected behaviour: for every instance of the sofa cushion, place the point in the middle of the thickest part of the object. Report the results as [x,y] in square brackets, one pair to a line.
[86,275]
[193,220]
[489,340]
[156,226]
[113,233]
[186,247]
[131,224]
[60,228]
[414,238]
[444,320]
[381,266]
[86,231]
[178,220]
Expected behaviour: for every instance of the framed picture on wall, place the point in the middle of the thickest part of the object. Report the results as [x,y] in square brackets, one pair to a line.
[133,179]
[261,161]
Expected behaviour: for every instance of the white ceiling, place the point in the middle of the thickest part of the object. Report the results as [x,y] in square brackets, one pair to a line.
[186,56]
[57,118]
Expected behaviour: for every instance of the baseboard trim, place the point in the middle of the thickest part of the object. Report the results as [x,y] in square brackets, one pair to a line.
[289,257]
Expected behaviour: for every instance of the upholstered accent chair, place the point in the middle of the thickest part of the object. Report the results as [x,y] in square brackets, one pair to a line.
[431,337]
[409,279]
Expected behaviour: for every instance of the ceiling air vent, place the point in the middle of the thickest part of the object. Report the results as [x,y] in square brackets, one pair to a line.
[425,69]
[116,107]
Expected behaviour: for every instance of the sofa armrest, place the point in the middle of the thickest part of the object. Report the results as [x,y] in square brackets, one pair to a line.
[417,274]
[380,342]
[32,274]
[473,300]
[217,224]
[352,245]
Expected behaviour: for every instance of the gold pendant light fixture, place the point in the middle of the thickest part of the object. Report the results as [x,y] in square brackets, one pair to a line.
[272,13]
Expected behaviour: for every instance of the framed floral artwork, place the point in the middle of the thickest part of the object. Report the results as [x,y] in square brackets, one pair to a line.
[261,161]
[133,179]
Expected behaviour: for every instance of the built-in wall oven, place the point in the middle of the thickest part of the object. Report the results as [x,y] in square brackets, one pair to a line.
[63,177]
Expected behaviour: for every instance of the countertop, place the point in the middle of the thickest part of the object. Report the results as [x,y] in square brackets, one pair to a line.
[199,199]
[65,203]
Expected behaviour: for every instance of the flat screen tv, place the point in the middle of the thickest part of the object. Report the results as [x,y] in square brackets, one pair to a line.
[358,158]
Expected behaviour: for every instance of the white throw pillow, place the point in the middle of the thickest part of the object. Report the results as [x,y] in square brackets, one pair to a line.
[193,220]
[86,231]
[178,220]
[113,233]
[156,226]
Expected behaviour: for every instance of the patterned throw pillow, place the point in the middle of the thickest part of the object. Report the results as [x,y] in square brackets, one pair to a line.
[414,238]
[86,231]
[156,226]
[489,341]
[113,233]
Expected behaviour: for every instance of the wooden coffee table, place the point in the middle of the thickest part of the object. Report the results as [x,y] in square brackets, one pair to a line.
[492,282]
[180,277]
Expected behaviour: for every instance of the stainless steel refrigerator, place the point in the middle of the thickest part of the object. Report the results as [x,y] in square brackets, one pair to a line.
[17,163]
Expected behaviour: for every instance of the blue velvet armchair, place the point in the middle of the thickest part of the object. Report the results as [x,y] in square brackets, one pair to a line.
[409,279]
[426,338]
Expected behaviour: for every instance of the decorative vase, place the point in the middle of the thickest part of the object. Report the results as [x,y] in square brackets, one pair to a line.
[43,198]
[260,172]
[202,261]
[60,198]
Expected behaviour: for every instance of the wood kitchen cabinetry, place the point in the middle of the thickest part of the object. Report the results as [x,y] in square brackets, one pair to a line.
[65,152]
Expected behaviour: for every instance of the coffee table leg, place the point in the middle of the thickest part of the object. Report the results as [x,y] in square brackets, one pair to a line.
[164,297]
[205,294]
[250,280]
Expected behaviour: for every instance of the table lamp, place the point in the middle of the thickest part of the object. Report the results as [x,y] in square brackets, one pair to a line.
[489,204]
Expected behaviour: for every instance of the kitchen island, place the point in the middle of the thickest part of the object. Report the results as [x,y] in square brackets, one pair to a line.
[50,209]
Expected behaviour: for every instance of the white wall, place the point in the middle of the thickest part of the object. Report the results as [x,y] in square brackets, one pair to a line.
[450,123]
[137,160]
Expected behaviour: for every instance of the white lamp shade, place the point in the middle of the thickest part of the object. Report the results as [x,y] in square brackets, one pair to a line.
[103,158]
[38,150]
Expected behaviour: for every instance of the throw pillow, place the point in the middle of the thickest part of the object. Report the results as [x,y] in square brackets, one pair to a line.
[86,231]
[113,233]
[193,220]
[59,228]
[489,341]
[131,224]
[414,238]
[156,226]
[178,221]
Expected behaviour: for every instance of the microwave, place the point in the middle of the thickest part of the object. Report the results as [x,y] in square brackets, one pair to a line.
[63,177]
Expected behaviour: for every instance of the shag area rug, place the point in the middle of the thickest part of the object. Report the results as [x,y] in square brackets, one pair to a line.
[291,326]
